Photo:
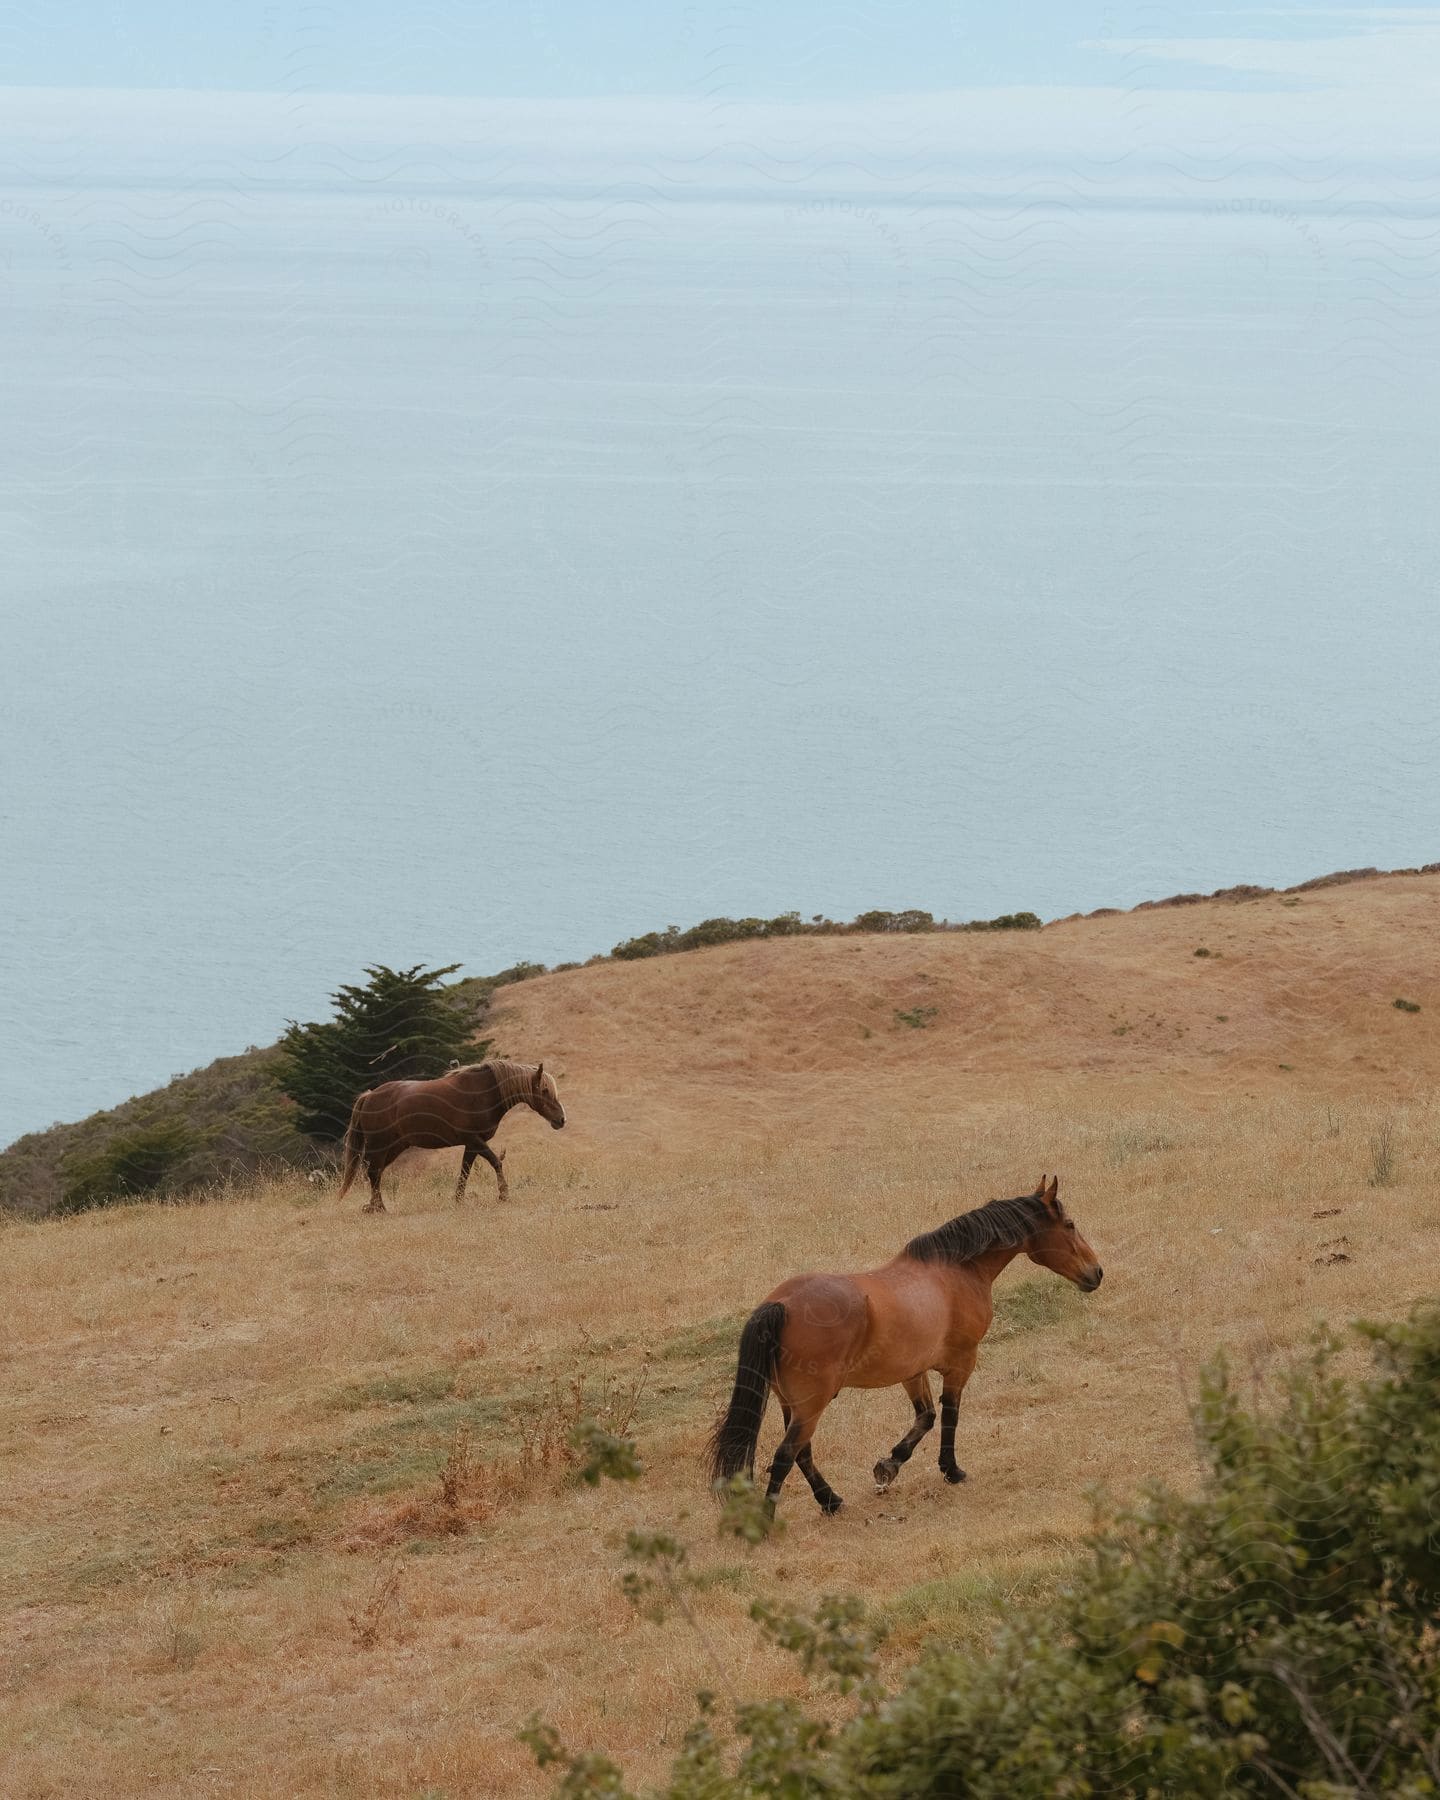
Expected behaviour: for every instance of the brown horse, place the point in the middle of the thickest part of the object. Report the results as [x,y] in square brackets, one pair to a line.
[927,1308]
[463,1107]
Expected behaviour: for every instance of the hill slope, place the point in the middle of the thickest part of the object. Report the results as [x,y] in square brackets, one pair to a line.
[756,1035]
[691,1041]
[286,1495]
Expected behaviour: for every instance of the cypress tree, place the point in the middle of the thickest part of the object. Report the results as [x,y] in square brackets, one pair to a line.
[401,1026]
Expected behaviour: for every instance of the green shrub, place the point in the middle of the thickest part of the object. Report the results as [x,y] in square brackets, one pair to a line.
[140,1162]
[912,920]
[652,943]
[1272,1634]
[790,924]
[1020,921]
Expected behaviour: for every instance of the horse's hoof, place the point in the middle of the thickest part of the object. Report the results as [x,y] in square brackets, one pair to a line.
[953,1476]
[885,1472]
[831,1504]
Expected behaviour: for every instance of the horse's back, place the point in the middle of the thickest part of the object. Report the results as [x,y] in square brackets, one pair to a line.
[868,1330]
[833,1298]
[429,1115]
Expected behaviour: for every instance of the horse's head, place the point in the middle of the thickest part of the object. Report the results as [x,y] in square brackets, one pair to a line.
[1056,1244]
[544,1098]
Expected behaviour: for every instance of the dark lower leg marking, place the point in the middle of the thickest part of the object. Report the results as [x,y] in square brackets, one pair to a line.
[889,1467]
[949,1416]
[826,1496]
[794,1452]
[779,1469]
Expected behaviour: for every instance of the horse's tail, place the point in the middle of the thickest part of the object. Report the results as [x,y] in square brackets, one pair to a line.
[733,1441]
[354,1148]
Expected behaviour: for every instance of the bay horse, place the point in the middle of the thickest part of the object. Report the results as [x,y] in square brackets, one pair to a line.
[464,1106]
[927,1308]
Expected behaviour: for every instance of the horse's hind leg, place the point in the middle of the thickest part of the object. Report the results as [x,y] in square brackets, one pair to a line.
[826,1497]
[918,1388]
[374,1169]
[794,1448]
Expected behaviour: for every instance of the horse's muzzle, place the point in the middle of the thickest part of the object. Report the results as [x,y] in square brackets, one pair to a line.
[1093,1279]
[557,1124]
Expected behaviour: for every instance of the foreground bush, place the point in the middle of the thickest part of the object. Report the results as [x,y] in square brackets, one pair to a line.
[1274,1634]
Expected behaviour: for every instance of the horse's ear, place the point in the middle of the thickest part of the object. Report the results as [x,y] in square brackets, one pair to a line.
[1040,1191]
[1054,1187]
[539,1072]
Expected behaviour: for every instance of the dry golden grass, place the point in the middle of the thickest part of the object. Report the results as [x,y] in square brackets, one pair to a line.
[284,1496]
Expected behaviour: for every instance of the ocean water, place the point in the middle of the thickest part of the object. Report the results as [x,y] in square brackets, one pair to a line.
[477,565]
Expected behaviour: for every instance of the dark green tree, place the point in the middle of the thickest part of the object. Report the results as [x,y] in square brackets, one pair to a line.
[401,1026]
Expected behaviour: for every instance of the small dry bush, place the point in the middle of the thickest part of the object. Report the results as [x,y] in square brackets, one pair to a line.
[368,1623]
[1382,1155]
[548,1435]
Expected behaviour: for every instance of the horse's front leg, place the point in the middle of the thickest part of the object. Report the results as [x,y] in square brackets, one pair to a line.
[952,1385]
[496,1160]
[465,1162]
[918,1388]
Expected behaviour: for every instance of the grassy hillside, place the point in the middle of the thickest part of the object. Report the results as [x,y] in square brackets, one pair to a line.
[285,1494]
[230,1119]
[239,1123]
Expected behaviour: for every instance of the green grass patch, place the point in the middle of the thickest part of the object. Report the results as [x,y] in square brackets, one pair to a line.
[1034,1306]
[1131,1141]
[733,1576]
[964,1609]
[242,1572]
[282,1532]
[108,1569]
[358,1475]
[710,1339]
[418,1387]
[410,1450]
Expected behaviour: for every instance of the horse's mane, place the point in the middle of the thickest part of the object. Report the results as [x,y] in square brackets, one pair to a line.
[513,1080]
[971,1234]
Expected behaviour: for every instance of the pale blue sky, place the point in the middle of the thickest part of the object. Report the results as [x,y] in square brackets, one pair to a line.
[795,50]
